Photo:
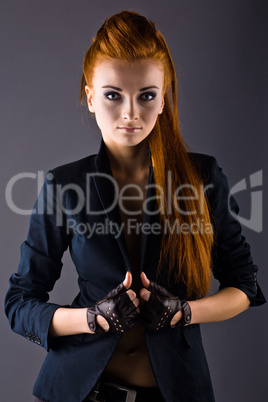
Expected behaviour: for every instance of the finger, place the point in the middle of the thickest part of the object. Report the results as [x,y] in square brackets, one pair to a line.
[131,294]
[102,322]
[144,280]
[136,302]
[129,308]
[128,280]
[176,318]
[145,294]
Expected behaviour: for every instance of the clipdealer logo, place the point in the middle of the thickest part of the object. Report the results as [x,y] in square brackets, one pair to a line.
[255,222]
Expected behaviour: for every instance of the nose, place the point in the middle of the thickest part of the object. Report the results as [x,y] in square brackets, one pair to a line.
[130,111]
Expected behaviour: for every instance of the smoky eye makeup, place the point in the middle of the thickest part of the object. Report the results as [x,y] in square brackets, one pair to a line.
[144,96]
[148,96]
[112,95]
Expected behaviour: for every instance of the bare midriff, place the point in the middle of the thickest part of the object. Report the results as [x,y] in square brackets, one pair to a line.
[130,363]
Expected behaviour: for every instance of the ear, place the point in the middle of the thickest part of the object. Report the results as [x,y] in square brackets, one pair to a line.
[90,103]
[162,105]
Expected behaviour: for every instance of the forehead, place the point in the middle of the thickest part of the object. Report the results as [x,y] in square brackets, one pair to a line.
[122,73]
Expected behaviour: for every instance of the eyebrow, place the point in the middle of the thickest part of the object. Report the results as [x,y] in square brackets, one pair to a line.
[120,90]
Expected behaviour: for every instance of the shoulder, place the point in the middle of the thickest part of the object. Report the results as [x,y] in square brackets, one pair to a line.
[205,165]
[213,178]
[70,172]
[201,159]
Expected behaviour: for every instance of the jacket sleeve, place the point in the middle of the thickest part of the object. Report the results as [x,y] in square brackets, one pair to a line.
[232,263]
[26,302]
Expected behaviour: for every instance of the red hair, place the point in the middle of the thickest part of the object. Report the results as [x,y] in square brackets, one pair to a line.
[130,36]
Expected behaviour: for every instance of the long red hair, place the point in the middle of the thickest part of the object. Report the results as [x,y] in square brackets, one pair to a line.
[130,36]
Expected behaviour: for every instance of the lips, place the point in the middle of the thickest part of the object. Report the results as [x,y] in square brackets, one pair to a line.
[130,129]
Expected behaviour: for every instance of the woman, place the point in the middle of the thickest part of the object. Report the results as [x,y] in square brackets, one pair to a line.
[145,222]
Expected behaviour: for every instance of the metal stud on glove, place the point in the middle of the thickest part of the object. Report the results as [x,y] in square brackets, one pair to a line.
[158,311]
[117,309]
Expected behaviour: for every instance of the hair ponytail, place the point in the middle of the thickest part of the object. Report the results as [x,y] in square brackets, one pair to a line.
[130,36]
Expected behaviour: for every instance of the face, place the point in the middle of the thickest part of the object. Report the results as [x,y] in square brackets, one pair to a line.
[126,98]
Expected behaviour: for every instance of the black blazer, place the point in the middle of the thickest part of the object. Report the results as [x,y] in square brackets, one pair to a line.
[75,197]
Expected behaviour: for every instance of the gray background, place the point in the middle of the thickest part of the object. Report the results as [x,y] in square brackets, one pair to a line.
[219,52]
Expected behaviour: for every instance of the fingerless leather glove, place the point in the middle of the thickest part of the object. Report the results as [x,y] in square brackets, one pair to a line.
[159,310]
[117,309]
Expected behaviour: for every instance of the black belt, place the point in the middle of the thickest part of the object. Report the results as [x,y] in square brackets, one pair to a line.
[110,392]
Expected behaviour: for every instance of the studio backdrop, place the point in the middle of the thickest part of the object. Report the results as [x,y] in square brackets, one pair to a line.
[220,53]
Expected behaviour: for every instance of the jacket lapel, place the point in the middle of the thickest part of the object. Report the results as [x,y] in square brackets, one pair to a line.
[106,188]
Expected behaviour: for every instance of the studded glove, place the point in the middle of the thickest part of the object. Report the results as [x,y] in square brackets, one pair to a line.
[158,311]
[117,309]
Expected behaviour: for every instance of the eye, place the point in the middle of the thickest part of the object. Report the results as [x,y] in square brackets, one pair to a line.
[112,95]
[148,96]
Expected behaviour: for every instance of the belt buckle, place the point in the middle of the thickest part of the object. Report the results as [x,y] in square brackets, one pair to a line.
[131,393]
[94,397]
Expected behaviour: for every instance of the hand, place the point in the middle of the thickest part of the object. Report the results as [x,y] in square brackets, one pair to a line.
[117,312]
[160,308]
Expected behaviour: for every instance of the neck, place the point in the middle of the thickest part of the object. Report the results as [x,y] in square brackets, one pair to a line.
[129,161]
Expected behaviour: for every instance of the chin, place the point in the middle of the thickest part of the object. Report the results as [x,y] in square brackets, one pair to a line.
[132,140]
